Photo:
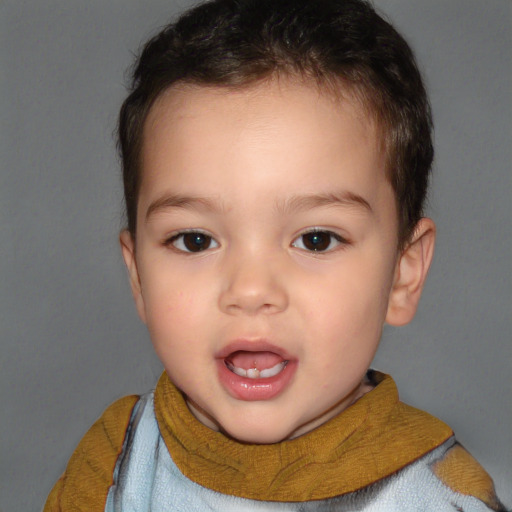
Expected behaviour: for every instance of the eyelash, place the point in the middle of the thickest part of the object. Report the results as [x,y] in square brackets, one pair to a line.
[180,239]
[340,241]
[181,243]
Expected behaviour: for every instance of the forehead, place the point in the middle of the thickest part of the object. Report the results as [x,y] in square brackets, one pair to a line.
[198,137]
[290,95]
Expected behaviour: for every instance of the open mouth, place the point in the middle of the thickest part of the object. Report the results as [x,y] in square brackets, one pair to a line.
[254,369]
[255,365]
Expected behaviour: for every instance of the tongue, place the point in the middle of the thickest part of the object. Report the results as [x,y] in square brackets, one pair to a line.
[259,360]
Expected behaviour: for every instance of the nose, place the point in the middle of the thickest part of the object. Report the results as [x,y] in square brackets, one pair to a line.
[253,285]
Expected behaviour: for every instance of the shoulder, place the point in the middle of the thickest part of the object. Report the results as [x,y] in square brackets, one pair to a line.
[448,470]
[88,476]
[460,471]
[448,479]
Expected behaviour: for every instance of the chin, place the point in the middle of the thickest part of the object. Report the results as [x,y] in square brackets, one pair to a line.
[258,434]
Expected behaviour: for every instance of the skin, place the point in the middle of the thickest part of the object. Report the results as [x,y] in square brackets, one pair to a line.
[255,170]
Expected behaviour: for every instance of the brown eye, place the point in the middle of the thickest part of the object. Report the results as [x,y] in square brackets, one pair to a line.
[194,241]
[318,241]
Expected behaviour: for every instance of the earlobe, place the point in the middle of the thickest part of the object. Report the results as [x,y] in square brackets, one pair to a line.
[128,250]
[410,274]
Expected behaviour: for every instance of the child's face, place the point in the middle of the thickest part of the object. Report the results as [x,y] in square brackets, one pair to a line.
[238,190]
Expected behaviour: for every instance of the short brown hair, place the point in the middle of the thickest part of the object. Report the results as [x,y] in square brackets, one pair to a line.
[235,43]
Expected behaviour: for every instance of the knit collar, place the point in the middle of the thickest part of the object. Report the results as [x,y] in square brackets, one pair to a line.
[372,439]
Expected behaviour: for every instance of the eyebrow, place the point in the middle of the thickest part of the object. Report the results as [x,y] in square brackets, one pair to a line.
[178,201]
[287,207]
[310,201]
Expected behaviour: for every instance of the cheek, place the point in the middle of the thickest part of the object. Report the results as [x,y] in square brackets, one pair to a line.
[350,303]
[175,306]
[169,287]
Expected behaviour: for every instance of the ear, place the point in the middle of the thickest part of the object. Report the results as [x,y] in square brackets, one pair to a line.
[128,249]
[410,274]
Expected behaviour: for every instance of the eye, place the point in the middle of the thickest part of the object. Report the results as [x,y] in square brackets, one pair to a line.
[192,241]
[318,241]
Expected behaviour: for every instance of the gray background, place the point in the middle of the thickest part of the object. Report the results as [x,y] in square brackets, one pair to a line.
[71,341]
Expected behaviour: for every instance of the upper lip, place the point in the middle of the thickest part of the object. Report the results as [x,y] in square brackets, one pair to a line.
[252,345]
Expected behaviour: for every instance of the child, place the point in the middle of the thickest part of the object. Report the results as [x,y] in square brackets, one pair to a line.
[276,156]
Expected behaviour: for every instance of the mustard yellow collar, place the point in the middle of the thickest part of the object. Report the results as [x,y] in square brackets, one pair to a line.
[371,439]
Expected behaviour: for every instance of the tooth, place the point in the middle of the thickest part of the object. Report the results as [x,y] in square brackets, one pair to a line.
[239,371]
[270,372]
[253,373]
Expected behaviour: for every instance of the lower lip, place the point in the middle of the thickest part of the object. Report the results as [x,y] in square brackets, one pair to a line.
[243,388]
